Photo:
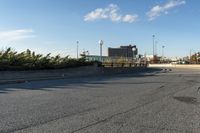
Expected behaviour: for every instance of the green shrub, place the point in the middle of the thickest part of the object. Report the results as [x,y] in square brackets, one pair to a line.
[28,60]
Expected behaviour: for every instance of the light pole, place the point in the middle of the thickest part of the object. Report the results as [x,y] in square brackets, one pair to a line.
[163,47]
[77,49]
[101,44]
[153,44]
[153,60]
[155,48]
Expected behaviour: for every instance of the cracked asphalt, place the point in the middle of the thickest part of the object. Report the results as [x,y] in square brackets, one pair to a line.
[153,102]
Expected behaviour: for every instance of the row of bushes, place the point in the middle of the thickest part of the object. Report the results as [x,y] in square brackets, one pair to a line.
[28,60]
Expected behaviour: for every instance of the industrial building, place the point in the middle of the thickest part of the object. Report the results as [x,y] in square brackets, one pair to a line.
[123,52]
[129,51]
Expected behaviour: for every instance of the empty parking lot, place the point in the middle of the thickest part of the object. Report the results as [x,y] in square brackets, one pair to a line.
[159,101]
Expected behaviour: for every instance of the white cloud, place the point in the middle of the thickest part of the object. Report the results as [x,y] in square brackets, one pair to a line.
[97,14]
[110,12]
[114,16]
[130,18]
[158,10]
[15,35]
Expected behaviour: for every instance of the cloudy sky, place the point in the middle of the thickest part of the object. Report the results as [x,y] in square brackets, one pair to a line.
[56,25]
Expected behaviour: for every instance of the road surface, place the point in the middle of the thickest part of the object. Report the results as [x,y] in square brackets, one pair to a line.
[153,102]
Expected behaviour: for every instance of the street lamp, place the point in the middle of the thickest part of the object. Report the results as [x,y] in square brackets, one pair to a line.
[153,44]
[153,37]
[155,48]
[101,44]
[163,52]
[77,49]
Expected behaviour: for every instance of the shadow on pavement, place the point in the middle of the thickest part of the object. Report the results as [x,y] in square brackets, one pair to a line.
[188,100]
[74,83]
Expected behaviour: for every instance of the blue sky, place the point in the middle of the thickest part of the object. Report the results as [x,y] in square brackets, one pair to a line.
[54,26]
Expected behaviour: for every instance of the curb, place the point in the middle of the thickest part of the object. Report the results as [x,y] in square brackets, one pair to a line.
[102,73]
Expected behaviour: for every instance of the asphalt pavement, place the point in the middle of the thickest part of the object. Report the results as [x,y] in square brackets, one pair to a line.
[160,101]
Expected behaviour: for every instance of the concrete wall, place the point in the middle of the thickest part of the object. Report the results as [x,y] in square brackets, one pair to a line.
[62,73]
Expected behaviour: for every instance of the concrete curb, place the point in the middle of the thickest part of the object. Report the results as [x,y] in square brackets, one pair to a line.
[96,72]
